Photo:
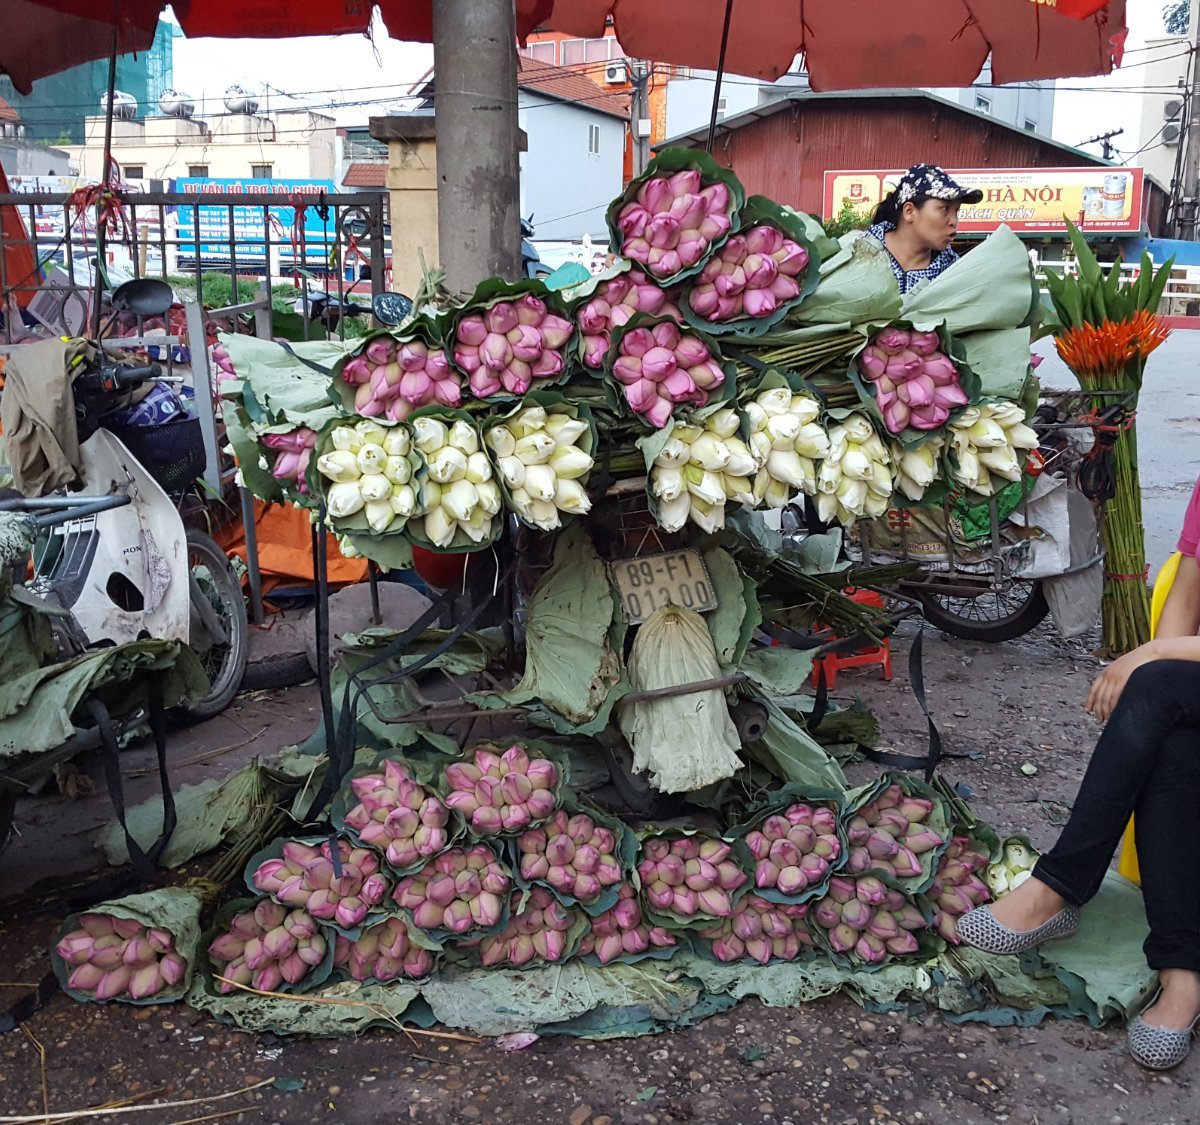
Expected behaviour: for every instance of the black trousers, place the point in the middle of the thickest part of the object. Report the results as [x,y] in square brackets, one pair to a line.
[1147,762]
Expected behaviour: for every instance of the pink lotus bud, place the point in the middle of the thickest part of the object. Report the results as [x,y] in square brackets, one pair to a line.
[766,873]
[586,887]
[814,867]
[924,343]
[655,194]
[728,308]
[870,949]
[530,310]
[659,412]
[632,220]
[627,913]
[467,358]
[556,331]
[356,371]
[842,938]
[526,342]
[760,270]
[714,901]
[609,948]
[540,803]
[684,902]
[870,890]
[637,249]
[714,225]
[173,969]
[381,351]
[658,363]
[871,362]
[594,350]
[627,369]
[896,416]
[883,926]
[784,288]
[704,299]
[412,354]
[111,984]
[792,880]
[679,386]
[594,316]
[669,264]
[730,281]
[548,365]
[716,198]
[706,376]
[471,331]
[496,352]
[270,875]
[791,259]
[882,846]
[758,844]
[662,232]
[690,251]
[920,391]
[758,302]
[687,210]
[764,239]
[893,340]
[501,318]
[828,913]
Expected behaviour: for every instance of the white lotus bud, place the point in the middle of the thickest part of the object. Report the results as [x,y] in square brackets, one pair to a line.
[673,514]
[371,458]
[344,500]
[739,489]
[827,507]
[708,517]
[856,464]
[724,423]
[760,445]
[379,514]
[531,418]
[403,500]
[783,430]
[490,499]
[512,469]
[709,452]
[479,468]
[812,441]
[397,442]
[447,464]
[463,436]
[880,480]
[986,434]
[857,428]
[788,466]
[375,487]
[544,515]
[1016,880]
[920,464]
[852,494]
[771,492]
[674,452]
[875,505]
[777,401]
[431,494]
[370,432]
[500,441]
[806,408]
[755,415]
[569,462]
[440,527]
[564,429]
[338,465]
[1001,462]
[667,483]
[570,497]
[460,499]
[708,488]
[1023,436]
[345,438]
[479,526]
[540,482]
[429,434]
[398,470]
[535,449]
[741,463]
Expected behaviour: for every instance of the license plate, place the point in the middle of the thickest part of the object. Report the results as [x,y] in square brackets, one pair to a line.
[674,578]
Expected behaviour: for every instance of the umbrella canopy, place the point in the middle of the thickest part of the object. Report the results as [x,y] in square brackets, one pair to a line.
[882,44]
[870,44]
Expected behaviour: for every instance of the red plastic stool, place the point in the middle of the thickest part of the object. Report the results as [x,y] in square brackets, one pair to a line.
[876,656]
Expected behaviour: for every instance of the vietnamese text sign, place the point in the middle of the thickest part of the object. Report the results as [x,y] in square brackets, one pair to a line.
[253,225]
[1030,200]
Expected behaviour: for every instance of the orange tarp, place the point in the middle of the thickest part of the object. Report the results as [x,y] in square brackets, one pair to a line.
[21,276]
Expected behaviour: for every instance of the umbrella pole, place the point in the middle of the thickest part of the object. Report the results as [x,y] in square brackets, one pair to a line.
[105,173]
[712,121]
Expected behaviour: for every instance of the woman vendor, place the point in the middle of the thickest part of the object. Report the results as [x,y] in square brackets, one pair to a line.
[917,222]
[1147,762]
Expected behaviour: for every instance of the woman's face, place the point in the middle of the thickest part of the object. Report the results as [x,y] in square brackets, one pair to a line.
[934,222]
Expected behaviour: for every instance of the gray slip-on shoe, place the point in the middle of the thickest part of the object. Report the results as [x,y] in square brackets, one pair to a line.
[979,928]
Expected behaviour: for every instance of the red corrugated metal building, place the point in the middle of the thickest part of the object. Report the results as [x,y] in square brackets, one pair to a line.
[783,149]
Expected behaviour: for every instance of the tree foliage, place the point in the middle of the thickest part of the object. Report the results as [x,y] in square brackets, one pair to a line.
[1176,15]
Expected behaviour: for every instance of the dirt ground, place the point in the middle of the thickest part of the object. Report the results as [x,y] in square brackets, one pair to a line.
[1010,706]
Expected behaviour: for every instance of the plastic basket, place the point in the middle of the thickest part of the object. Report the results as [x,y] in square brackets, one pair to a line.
[171,452]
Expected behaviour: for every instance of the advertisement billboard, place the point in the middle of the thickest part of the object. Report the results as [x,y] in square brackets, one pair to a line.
[1029,200]
[206,230]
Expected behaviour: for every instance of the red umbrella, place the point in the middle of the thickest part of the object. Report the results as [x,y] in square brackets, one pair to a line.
[871,43]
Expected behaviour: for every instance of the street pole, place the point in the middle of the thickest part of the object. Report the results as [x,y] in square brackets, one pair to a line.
[478,170]
[1191,164]
[639,111]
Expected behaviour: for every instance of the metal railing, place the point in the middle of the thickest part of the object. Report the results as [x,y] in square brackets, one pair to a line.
[1182,290]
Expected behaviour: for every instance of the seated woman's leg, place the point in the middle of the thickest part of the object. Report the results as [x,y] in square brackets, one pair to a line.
[1168,844]
[1158,698]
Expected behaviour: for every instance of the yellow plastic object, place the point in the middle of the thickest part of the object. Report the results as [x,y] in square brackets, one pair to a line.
[1127,860]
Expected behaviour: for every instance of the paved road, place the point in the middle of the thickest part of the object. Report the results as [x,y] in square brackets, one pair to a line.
[1168,434]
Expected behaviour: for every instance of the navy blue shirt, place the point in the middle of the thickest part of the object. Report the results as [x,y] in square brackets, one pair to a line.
[908,279]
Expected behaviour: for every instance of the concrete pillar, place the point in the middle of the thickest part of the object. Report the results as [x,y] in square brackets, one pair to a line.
[413,195]
[478,171]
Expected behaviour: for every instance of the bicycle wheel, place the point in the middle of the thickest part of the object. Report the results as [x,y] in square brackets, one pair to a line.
[991,616]
[219,632]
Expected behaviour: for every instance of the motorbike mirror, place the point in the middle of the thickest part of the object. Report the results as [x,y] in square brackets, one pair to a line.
[392,308]
[146,296]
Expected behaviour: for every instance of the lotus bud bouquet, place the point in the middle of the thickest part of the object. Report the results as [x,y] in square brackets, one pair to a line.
[293,450]
[367,474]
[383,953]
[795,848]
[917,467]
[508,340]
[958,886]
[891,833]
[696,468]
[855,479]
[502,791]
[788,441]
[916,383]
[392,376]
[540,929]
[543,451]
[867,920]
[462,890]
[460,499]
[659,367]
[574,855]
[689,877]
[270,948]
[761,931]
[674,215]
[989,441]
[219,356]
[622,932]
[611,304]
[396,815]
[342,891]
[762,271]
[1014,866]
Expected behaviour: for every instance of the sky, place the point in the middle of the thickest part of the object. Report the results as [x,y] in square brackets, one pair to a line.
[339,75]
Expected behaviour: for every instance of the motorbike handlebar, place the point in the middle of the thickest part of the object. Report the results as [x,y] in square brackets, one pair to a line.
[115,377]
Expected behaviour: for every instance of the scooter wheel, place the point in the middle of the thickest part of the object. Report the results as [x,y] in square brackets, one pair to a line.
[219,631]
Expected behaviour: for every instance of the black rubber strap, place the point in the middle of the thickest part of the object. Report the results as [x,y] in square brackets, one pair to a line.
[730,352]
[327,371]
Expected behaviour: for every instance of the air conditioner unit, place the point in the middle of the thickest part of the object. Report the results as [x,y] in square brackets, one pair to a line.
[1172,108]
[1170,134]
[616,74]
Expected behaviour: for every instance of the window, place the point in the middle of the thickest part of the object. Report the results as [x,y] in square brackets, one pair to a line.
[722,106]
[1030,125]
[544,52]
[578,51]
[134,172]
[984,105]
[260,171]
[593,140]
[198,171]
